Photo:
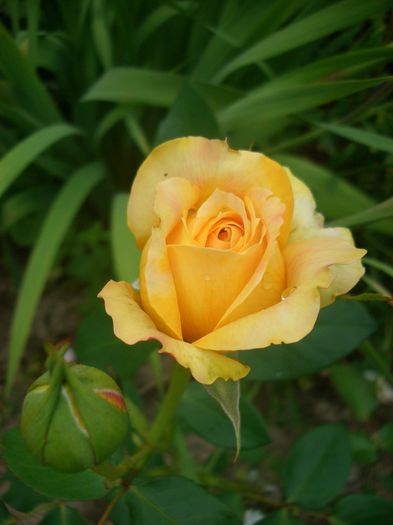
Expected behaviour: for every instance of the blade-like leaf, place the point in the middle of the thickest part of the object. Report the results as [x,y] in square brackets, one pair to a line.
[289,100]
[25,85]
[367,138]
[57,222]
[124,85]
[227,394]
[337,66]
[383,210]
[317,25]
[189,115]
[125,252]
[335,196]
[24,153]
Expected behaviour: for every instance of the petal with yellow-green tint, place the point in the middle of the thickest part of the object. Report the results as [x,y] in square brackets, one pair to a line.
[210,165]
[345,276]
[158,292]
[205,365]
[305,259]
[306,222]
[307,269]
[131,324]
[207,281]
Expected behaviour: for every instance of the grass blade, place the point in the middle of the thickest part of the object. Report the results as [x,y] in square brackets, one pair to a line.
[336,198]
[366,138]
[313,27]
[124,249]
[126,85]
[57,222]
[290,100]
[26,86]
[383,210]
[24,153]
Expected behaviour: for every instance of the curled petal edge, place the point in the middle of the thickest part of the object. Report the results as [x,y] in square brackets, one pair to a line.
[131,324]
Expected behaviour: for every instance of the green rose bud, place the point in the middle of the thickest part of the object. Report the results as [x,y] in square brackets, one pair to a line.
[73,416]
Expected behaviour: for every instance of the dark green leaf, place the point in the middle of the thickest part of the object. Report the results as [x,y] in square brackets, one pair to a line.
[281,517]
[335,196]
[315,26]
[383,210]
[125,252]
[367,138]
[340,328]
[189,115]
[26,86]
[363,449]
[318,466]
[363,509]
[63,515]
[154,88]
[289,100]
[62,212]
[354,390]
[96,345]
[81,486]
[204,415]
[26,151]
[385,437]
[176,501]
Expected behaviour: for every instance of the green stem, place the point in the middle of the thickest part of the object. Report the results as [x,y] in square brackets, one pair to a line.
[179,381]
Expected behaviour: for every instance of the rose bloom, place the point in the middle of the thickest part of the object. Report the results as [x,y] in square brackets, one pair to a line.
[234,257]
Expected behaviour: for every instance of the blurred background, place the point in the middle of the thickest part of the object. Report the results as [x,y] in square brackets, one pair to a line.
[88,87]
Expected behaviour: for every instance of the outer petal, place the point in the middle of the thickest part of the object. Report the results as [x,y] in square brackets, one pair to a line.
[305,220]
[158,292]
[307,266]
[210,165]
[131,324]
[345,276]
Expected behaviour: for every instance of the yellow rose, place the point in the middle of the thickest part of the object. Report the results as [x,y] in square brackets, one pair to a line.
[234,257]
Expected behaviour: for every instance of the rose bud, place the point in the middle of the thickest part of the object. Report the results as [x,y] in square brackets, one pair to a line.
[73,416]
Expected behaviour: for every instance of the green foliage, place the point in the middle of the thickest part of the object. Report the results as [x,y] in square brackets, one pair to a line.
[318,466]
[87,88]
[176,501]
[340,328]
[205,417]
[84,485]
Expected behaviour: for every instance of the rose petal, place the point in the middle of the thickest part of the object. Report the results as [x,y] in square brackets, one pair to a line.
[158,292]
[307,266]
[266,293]
[271,211]
[131,324]
[207,281]
[305,219]
[210,165]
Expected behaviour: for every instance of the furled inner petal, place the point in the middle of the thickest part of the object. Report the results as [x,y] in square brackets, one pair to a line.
[271,211]
[210,165]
